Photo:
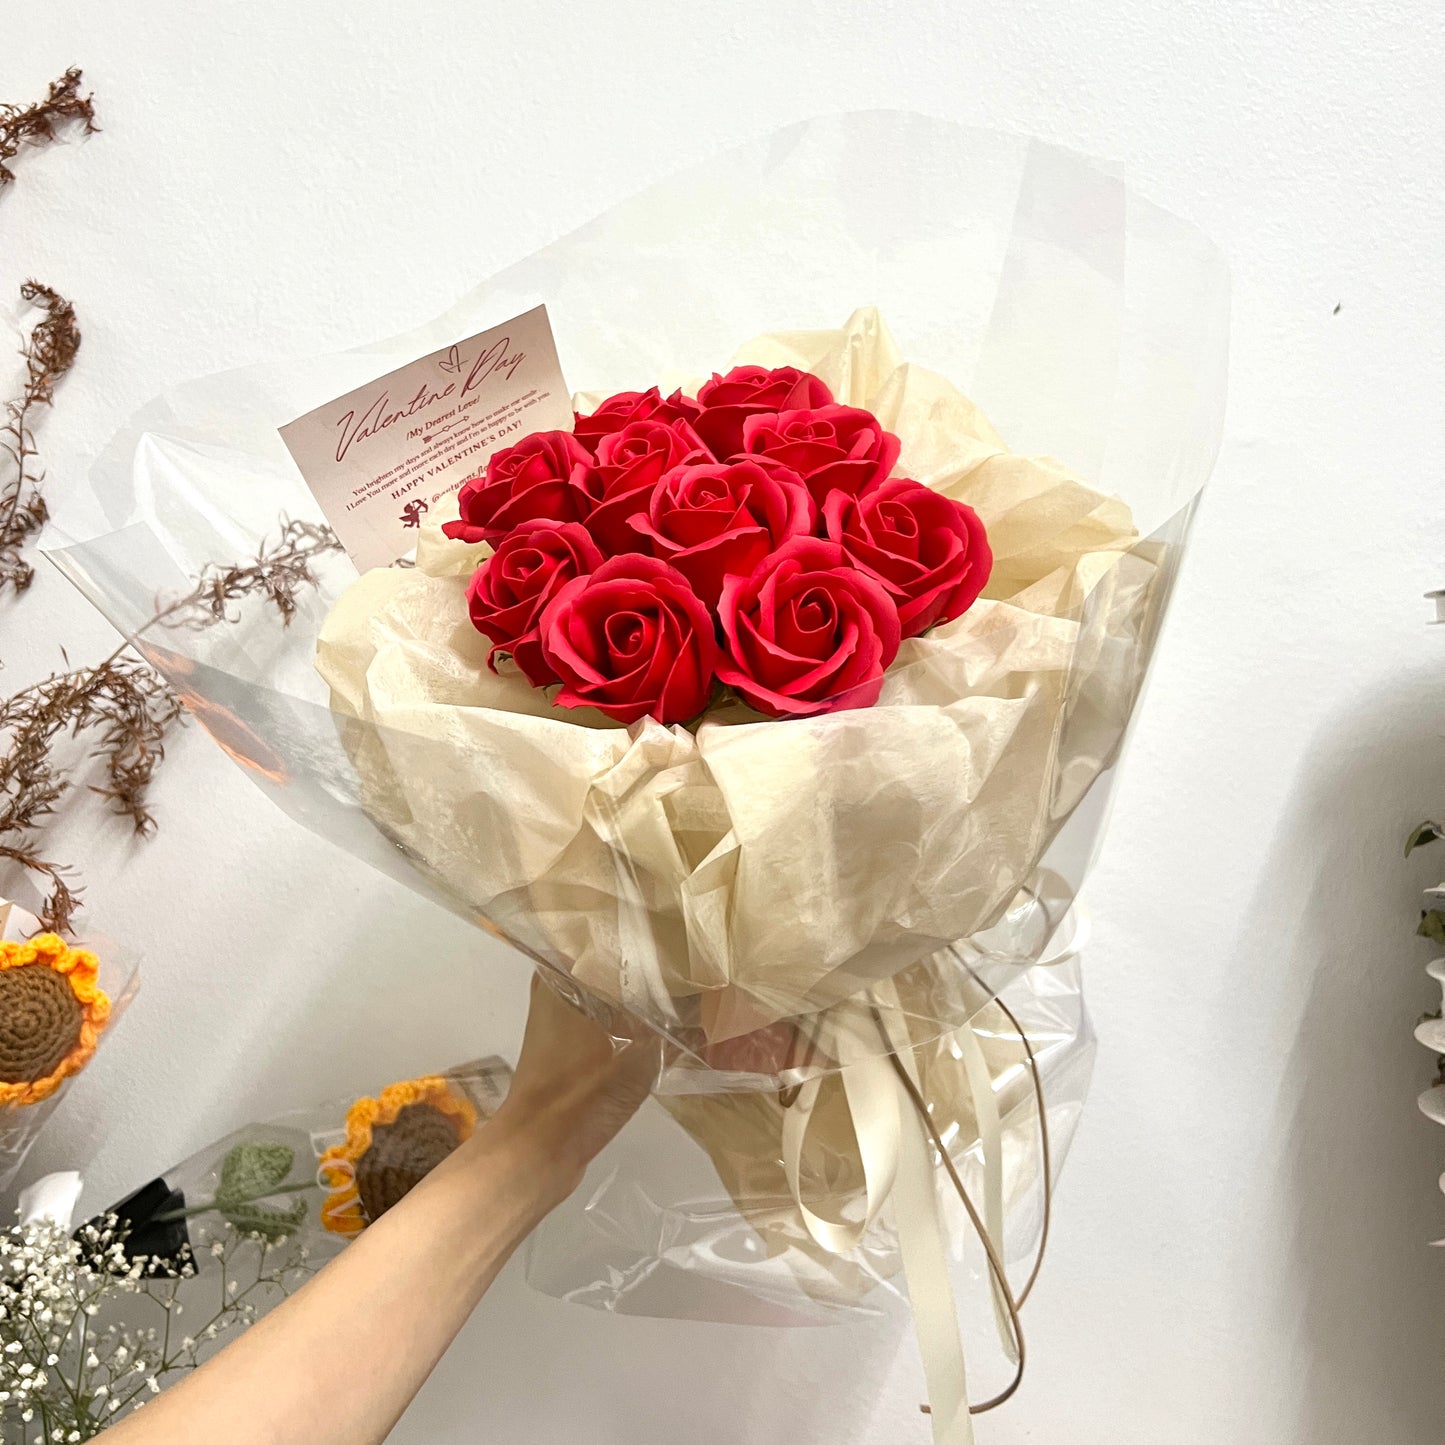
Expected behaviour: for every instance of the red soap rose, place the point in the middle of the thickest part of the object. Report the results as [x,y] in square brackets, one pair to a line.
[807,632]
[833,448]
[631,639]
[542,478]
[630,463]
[711,520]
[727,401]
[614,413]
[511,588]
[767,1050]
[929,552]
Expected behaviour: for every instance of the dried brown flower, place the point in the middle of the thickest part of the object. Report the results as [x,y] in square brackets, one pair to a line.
[123,706]
[126,709]
[278,572]
[38,124]
[49,353]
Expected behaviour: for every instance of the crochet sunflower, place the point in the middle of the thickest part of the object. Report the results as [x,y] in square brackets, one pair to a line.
[392,1143]
[51,1014]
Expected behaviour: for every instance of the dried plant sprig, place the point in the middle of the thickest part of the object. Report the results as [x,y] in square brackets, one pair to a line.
[126,708]
[279,571]
[39,123]
[49,352]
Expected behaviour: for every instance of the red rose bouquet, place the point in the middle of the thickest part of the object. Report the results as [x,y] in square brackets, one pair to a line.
[778,701]
[770,747]
[647,571]
[648,673]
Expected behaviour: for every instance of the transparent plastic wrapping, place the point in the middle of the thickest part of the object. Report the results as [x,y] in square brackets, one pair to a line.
[793,903]
[317,1175]
[71,999]
[710,1229]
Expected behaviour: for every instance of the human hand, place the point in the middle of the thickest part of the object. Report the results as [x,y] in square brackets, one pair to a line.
[575,1085]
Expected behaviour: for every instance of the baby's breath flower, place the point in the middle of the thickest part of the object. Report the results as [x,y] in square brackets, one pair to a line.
[75,1378]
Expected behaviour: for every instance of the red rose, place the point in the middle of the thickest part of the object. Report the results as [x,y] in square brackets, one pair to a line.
[807,632]
[767,1050]
[542,478]
[833,448]
[711,520]
[511,588]
[614,413]
[631,639]
[630,463]
[929,552]
[727,401]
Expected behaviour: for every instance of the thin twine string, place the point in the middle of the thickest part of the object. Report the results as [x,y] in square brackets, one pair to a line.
[1045,1149]
[1012,1304]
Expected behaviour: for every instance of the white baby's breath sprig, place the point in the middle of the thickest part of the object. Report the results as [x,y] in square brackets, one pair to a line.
[87,1330]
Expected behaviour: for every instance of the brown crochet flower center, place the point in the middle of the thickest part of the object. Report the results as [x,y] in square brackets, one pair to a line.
[40,1019]
[401,1155]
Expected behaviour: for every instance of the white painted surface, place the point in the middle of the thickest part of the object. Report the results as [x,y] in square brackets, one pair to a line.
[1241,1252]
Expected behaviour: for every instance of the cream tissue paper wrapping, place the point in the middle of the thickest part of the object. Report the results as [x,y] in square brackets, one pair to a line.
[744,872]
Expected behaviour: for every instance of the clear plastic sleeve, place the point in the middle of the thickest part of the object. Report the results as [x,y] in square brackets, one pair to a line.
[707,1228]
[788,903]
[45,1050]
[317,1175]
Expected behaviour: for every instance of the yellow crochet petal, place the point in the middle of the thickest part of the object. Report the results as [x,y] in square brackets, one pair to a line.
[80,968]
[341,1213]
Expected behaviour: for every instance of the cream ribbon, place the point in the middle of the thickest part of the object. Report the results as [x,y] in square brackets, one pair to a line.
[990,1135]
[923,1243]
[897,1155]
[870,1087]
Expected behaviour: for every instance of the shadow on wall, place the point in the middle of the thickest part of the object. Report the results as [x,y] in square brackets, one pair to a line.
[1359,1164]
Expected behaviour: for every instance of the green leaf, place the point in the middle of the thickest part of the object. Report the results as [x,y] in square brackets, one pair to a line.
[252,1171]
[272,1224]
[1425,833]
[249,1173]
[1432,926]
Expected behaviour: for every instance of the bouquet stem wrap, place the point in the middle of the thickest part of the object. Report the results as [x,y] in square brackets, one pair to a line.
[816,913]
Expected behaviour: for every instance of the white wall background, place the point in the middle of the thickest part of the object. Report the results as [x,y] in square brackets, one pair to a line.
[1241,1248]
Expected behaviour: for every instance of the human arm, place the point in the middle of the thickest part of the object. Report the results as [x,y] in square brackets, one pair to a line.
[338,1362]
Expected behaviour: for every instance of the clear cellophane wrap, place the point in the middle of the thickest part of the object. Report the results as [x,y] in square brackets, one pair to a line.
[783,901]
